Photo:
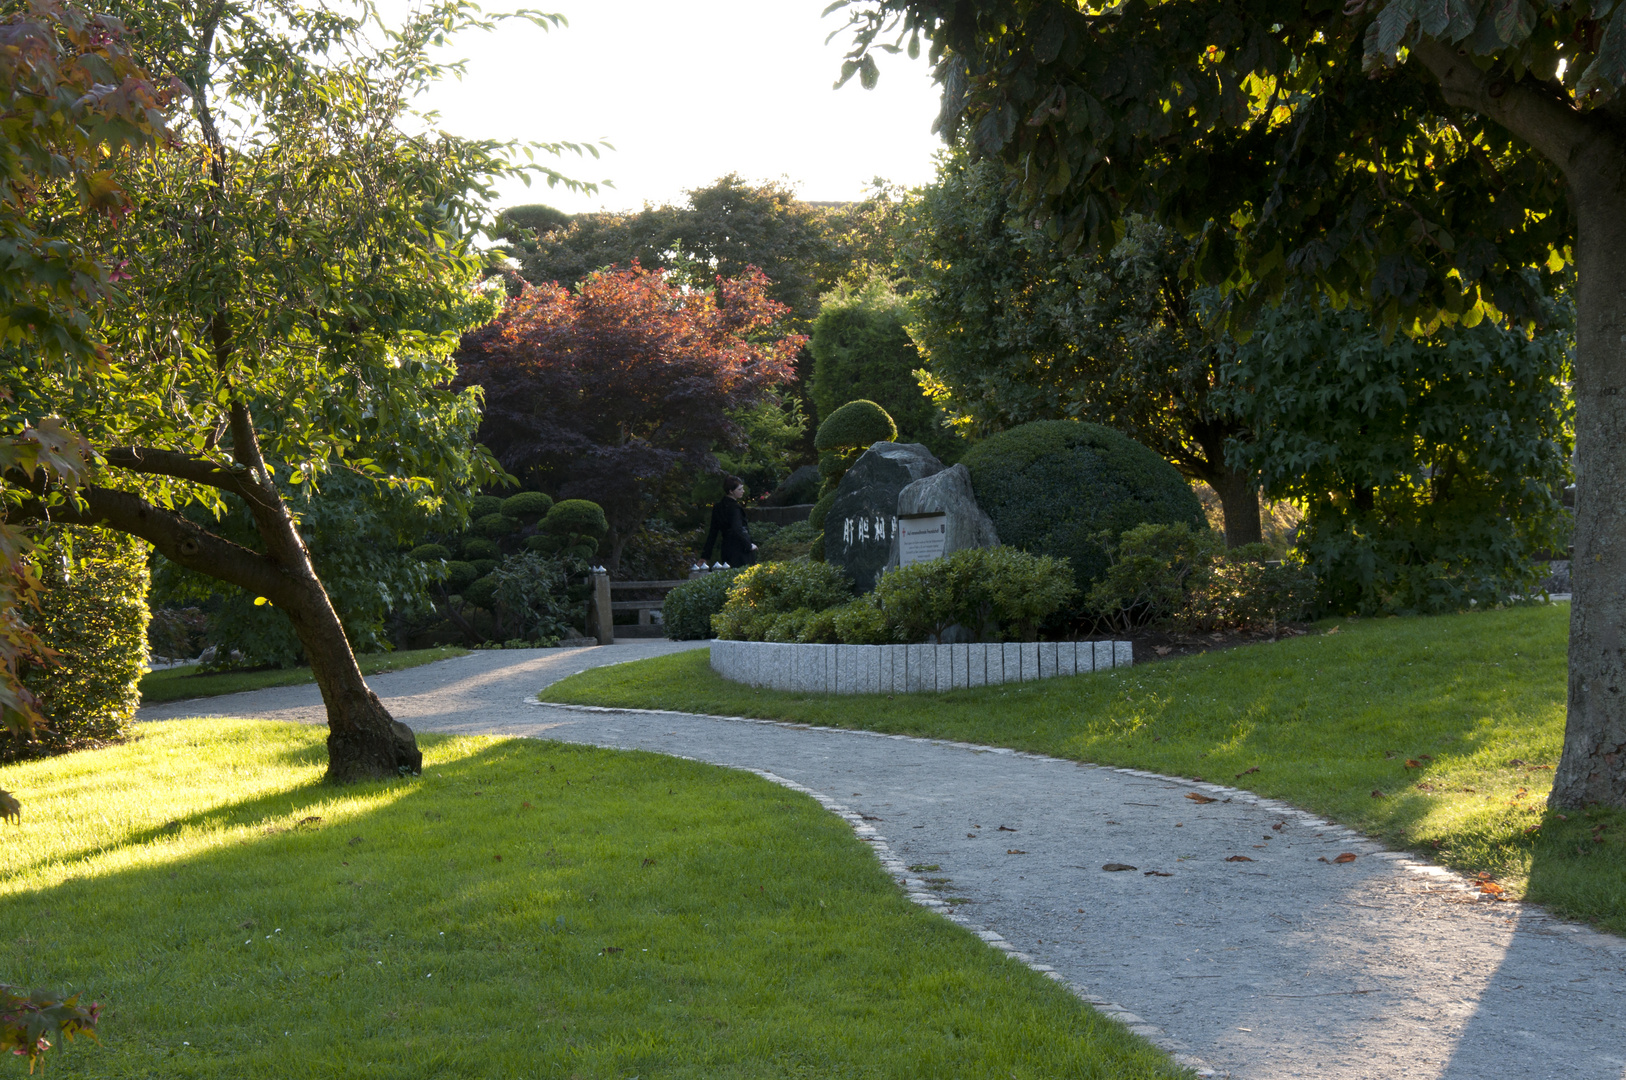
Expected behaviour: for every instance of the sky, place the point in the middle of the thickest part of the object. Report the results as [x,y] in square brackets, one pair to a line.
[687,92]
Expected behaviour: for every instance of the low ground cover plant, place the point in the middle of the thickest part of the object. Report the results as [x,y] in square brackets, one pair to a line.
[1435,734]
[986,594]
[181,683]
[523,908]
[1185,577]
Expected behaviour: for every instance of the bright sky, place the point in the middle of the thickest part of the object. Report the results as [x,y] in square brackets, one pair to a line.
[688,92]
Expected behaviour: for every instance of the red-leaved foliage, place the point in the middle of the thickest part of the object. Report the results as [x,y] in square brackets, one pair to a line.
[607,393]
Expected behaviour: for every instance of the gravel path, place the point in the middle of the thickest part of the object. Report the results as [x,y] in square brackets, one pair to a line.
[1279,966]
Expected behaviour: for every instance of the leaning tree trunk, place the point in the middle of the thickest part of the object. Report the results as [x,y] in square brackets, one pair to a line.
[1593,766]
[1239,500]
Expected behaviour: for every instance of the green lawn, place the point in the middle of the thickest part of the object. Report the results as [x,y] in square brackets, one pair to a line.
[524,909]
[1455,720]
[180,683]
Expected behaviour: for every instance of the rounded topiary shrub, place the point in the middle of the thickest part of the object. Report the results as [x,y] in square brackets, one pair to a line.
[527,506]
[857,423]
[478,547]
[93,614]
[495,526]
[576,521]
[484,505]
[687,610]
[1055,486]
[460,575]
[430,553]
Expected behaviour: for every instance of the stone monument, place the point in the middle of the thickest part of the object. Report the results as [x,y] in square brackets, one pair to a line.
[938,515]
[863,521]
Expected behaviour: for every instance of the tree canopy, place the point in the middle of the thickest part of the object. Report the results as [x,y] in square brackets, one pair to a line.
[1433,162]
[608,391]
[295,270]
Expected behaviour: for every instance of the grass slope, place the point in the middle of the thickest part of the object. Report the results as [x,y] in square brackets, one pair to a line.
[181,683]
[524,909]
[1329,722]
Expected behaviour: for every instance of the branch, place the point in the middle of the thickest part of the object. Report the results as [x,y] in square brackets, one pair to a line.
[142,459]
[1557,131]
[177,539]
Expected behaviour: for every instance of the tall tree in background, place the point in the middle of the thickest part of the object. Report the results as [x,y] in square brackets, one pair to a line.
[1016,329]
[1423,159]
[610,391]
[298,270]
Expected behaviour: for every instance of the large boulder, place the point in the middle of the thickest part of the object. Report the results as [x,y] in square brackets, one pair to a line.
[861,522]
[948,493]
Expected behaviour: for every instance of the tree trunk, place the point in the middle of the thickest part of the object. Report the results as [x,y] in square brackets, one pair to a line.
[1593,766]
[1591,150]
[1239,499]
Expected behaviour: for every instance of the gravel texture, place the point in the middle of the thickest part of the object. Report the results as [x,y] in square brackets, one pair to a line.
[1275,964]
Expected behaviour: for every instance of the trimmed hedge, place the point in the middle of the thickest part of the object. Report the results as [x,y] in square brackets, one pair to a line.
[527,506]
[1057,487]
[770,592]
[857,423]
[686,613]
[93,613]
[484,506]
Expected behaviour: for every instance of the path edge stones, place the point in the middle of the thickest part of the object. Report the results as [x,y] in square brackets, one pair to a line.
[916,889]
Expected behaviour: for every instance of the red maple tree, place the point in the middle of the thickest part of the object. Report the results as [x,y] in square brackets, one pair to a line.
[619,390]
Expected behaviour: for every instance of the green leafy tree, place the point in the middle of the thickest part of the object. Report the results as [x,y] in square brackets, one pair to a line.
[1017,329]
[861,349]
[298,268]
[1416,158]
[1431,471]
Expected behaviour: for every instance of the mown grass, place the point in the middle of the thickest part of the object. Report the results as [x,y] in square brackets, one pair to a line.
[181,683]
[1435,734]
[524,909]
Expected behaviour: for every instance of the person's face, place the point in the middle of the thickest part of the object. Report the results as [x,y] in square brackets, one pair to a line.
[737,493]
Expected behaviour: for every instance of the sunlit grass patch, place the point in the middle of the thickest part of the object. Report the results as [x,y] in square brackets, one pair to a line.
[1436,734]
[524,909]
[181,683]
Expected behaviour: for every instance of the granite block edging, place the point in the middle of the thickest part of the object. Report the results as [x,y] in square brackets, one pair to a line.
[909,669]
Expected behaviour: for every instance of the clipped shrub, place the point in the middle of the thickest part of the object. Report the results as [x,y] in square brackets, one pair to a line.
[533,593]
[484,566]
[478,547]
[495,526]
[857,423]
[765,591]
[527,507]
[688,609]
[802,486]
[994,594]
[460,575]
[1154,572]
[482,592]
[576,522]
[861,347]
[790,542]
[857,622]
[483,506]
[430,553]
[1054,487]
[93,614]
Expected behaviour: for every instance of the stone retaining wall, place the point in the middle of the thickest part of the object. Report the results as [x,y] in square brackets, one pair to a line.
[908,669]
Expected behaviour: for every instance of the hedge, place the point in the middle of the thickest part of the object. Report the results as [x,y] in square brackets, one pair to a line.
[93,613]
[1054,487]
[686,613]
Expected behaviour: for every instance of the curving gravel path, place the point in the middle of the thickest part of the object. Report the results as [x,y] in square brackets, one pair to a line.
[1279,966]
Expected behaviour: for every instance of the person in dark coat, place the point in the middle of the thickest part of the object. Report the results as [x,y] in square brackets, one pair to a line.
[728,525]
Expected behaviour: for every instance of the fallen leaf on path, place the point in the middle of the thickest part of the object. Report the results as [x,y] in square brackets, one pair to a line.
[1194,797]
[1245,772]
[1348,856]
[1005,828]
[1238,858]
[1157,873]
[1490,888]
[1278,826]
[1015,851]
[1112,866]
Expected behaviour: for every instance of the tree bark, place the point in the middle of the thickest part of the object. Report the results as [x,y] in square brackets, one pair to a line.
[1591,150]
[1239,500]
